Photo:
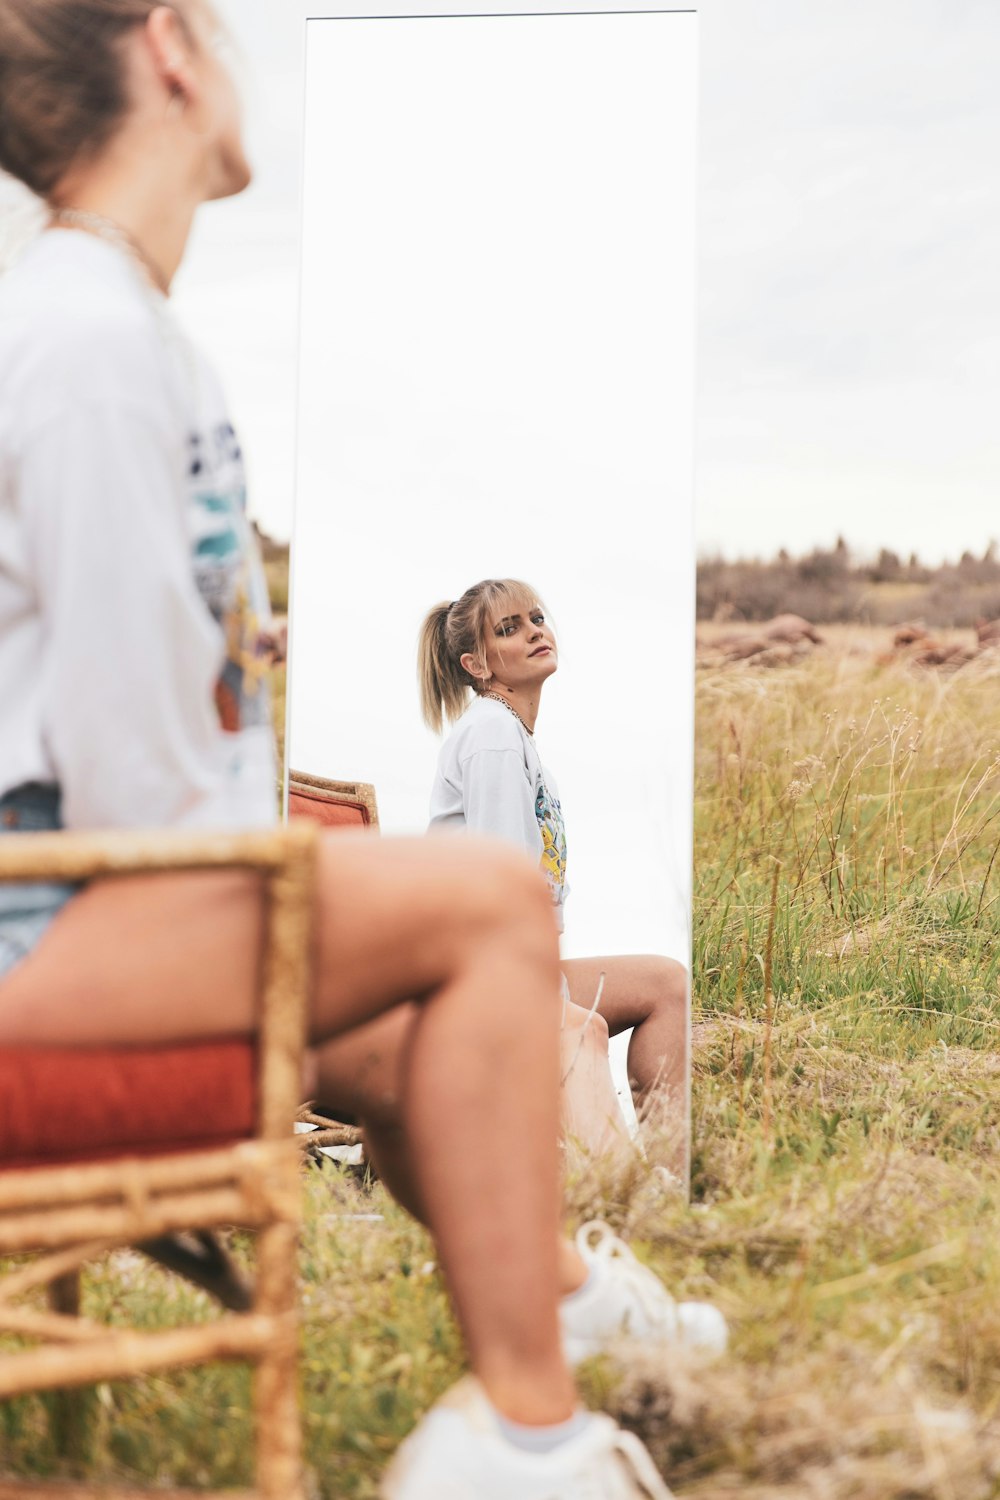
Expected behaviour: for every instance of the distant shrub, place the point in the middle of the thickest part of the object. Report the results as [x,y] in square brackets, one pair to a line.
[829,587]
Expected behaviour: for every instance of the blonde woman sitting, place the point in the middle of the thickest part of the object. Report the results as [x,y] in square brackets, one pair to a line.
[484,660]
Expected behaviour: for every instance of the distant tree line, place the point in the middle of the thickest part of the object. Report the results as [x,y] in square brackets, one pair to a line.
[831,586]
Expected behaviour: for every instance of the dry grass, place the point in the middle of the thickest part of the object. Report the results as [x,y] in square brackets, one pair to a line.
[846,1146]
[849,1200]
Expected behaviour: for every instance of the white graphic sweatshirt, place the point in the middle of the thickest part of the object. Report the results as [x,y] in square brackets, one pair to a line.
[132,600]
[490,780]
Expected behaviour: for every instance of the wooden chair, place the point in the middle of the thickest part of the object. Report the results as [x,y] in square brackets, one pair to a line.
[330,804]
[67,1214]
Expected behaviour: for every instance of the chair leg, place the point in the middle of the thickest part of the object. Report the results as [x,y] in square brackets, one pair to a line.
[276,1396]
[204,1260]
[69,1408]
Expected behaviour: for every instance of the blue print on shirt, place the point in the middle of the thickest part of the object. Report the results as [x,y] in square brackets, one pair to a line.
[227,574]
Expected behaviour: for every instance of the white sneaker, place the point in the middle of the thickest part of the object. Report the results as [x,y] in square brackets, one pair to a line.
[459,1452]
[624,1299]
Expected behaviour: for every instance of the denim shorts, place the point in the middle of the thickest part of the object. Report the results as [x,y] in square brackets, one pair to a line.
[26,910]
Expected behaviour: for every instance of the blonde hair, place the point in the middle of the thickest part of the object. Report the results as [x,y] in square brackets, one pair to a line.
[452,630]
[63,89]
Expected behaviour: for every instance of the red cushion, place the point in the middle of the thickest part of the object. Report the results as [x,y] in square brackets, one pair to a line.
[329,814]
[71,1104]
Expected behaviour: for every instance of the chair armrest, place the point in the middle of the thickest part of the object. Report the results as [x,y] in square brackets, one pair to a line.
[321,788]
[83,856]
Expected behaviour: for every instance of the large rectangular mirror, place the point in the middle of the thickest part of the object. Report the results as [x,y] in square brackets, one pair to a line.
[497,381]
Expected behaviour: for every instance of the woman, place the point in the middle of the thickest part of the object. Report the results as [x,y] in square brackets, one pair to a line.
[484,660]
[131,608]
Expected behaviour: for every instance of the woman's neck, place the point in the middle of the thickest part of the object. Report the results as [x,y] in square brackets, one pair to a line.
[156,218]
[524,701]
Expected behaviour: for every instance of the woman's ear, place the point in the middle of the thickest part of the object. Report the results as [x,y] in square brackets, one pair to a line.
[170,46]
[474,665]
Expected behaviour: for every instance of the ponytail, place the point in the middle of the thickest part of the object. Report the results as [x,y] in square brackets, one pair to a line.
[444,683]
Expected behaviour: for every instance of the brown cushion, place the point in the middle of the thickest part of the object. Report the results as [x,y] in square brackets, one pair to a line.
[71,1104]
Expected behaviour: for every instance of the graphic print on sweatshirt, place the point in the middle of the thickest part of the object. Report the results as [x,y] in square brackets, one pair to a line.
[231,586]
[553,830]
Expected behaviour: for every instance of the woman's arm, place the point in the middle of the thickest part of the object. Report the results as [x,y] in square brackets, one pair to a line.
[498,798]
[131,654]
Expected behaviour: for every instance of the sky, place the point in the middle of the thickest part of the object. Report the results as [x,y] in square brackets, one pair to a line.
[848,305]
[848,309]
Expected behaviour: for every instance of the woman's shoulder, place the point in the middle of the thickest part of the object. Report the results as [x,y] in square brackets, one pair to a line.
[76,281]
[74,322]
[485,725]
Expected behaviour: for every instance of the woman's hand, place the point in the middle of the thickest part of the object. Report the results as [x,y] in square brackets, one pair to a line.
[274,643]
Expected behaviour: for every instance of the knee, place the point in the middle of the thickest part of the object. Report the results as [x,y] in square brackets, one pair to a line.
[667,985]
[658,992]
[598,1035]
[589,1027]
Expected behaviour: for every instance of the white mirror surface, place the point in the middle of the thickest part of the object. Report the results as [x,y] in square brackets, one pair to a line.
[497,379]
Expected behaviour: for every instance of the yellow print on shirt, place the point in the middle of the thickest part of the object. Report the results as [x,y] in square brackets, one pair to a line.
[553,831]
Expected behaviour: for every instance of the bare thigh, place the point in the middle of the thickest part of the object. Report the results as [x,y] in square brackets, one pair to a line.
[362,1073]
[635,985]
[152,959]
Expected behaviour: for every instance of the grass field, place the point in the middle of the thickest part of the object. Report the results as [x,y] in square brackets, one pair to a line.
[846,1144]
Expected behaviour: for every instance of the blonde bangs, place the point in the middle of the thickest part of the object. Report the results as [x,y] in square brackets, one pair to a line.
[512,595]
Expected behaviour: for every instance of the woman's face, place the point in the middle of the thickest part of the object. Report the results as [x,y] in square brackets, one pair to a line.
[219,107]
[521,648]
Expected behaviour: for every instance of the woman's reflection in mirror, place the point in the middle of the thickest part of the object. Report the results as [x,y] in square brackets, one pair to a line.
[483,661]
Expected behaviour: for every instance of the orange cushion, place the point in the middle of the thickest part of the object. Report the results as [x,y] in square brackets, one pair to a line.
[329,814]
[72,1104]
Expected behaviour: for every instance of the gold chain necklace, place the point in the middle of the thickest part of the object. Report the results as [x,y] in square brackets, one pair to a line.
[107,229]
[153,283]
[511,709]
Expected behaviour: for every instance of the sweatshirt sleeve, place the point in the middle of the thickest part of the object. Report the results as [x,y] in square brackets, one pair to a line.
[132,655]
[498,798]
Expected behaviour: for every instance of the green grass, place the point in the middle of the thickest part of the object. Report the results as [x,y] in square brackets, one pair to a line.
[846,1147]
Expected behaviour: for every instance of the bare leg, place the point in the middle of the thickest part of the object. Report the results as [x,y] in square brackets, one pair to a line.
[362,1074]
[466,927]
[648,993]
[592,1117]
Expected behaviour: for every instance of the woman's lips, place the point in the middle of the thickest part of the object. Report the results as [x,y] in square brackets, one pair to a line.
[541,651]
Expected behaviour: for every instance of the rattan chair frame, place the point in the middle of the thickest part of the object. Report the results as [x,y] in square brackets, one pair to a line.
[73,1214]
[327,1130]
